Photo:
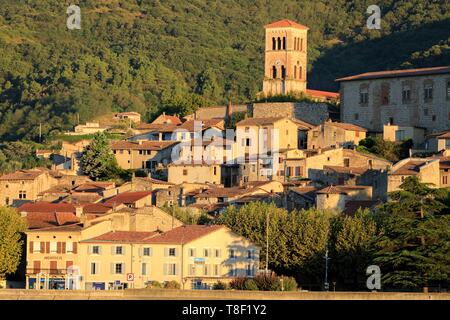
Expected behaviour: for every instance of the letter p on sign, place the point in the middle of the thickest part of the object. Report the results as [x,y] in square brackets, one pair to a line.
[374,280]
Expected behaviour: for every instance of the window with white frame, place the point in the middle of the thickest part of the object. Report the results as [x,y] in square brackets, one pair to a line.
[53,247]
[95,250]
[232,253]
[144,269]
[36,246]
[249,270]
[69,247]
[147,252]
[218,253]
[172,252]
[119,250]
[119,268]
[217,269]
[171,269]
[191,252]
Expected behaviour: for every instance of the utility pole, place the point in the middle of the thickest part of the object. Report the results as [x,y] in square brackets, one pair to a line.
[267,242]
[326,284]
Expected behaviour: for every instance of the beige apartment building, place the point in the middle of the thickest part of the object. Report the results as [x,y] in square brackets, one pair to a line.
[24,185]
[142,154]
[407,98]
[134,117]
[54,255]
[194,173]
[194,256]
[337,134]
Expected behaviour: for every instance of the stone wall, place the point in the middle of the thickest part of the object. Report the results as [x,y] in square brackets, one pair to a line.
[158,294]
[314,113]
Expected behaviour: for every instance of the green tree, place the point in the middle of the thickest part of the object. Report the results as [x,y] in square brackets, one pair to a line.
[98,161]
[11,228]
[353,243]
[413,250]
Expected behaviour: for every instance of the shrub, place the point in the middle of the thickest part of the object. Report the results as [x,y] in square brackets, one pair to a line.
[267,282]
[250,284]
[154,284]
[220,286]
[238,283]
[289,283]
[172,285]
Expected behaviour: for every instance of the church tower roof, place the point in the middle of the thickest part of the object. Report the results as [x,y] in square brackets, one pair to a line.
[285,23]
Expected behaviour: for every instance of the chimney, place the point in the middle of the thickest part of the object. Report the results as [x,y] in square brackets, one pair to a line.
[78,211]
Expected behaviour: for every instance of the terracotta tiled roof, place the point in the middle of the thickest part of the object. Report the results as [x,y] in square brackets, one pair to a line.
[322,94]
[123,236]
[353,205]
[156,181]
[158,127]
[410,168]
[341,189]
[143,145]
[48,207]
[127,198]
[83,197]
[94,186]
[170,119]
[203,124]
[39,220]
[285,23]
[22,175]
[184,234]
[398,73]
[96,208]
[346,126]
[444,135]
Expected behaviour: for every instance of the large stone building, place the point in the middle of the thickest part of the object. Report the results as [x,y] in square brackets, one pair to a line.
[285,58]
[408,98]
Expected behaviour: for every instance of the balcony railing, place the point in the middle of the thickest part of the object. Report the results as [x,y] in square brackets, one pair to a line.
[46,271]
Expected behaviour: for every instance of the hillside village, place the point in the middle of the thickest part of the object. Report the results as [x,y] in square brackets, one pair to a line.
[297,155]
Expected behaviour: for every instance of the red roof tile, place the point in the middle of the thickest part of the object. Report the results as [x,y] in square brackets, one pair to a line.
[123,236]
[346,126]
[127,198]
[322,94]
[96,208]
[184,234]
[39,220]
[167,119]
[285,23]
[397,73]
[203,124]
[47,207]
[141,145]
[22,175]
[341,189]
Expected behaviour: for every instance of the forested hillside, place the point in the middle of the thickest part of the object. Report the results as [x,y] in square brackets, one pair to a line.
[146,55]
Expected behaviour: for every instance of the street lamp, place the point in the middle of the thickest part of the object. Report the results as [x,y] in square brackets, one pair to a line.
[326,284]
[267,242]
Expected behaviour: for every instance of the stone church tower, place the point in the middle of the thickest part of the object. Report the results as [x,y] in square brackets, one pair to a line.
[285,58]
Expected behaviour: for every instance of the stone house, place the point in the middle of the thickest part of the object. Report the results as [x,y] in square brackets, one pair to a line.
[134,117]
[194,173]
[337,134]
[426,169]
[407,98]
[397,133]
[336,197]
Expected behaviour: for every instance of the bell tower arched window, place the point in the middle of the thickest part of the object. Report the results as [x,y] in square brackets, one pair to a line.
[279,43]
[295,72]
[274,44]
[283,72]
[284,43]
[274,72]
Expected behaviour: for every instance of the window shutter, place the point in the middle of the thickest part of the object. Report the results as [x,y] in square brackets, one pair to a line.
[75,247]
[123,268]
[113,269]
[220,253]
[175,265]
[47,247]
[166,252]
[89,249]
[150,251]
[63,245]
[141,252]
[124,250]
[113,250]
[165,269]
[58,247]
[42,247]
[31,246]
[99,250]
